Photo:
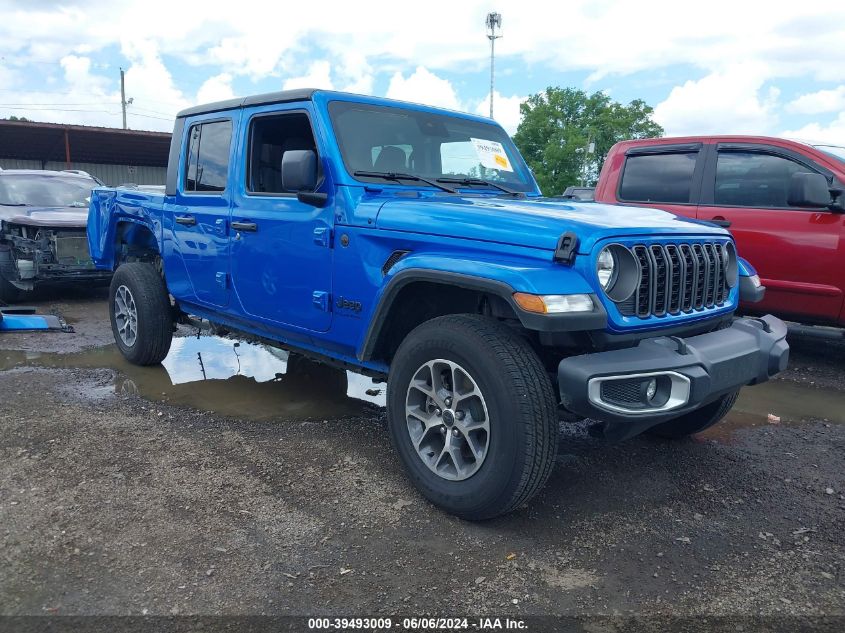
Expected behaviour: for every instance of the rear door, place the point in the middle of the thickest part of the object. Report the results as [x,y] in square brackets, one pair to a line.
[796,251]
[197,219]
[664,176]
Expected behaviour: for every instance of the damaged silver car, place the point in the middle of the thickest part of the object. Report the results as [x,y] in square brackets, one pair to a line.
[43,218]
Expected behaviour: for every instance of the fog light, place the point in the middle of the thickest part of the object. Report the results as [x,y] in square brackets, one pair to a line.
[651,389]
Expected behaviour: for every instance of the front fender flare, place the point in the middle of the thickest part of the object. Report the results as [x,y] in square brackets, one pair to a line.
[544,323]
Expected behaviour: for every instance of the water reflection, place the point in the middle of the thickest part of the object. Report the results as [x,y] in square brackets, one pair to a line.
[228,377]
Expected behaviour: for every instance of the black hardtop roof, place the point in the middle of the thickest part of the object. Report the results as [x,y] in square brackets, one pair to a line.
[283,96]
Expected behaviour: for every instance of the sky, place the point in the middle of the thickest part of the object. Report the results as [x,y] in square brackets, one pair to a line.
[738,66]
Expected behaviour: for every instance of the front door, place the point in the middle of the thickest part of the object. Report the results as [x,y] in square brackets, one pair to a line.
[281,256]
[796,251]
[199,213]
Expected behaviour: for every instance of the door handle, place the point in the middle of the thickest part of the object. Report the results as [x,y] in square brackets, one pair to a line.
[245,226]
[722,223]
[187,220]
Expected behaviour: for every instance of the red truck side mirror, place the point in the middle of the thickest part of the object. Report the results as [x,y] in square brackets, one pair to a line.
[809,190]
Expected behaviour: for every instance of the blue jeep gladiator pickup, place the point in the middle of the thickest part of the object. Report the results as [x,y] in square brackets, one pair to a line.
[413,243]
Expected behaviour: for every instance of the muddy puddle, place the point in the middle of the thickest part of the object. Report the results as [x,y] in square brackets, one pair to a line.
[232,378]
[791,402]
[258,382]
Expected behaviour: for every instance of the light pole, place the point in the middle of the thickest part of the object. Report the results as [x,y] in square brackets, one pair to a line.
[494,21]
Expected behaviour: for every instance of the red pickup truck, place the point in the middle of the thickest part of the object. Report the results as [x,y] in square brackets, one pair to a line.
[782,200]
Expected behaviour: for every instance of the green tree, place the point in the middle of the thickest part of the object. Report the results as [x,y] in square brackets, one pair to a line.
[561,125]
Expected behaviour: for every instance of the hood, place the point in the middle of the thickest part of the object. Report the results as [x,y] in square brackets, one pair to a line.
[58,217]
[532,222]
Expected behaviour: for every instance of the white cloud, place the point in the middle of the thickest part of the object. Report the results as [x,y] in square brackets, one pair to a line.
[833,133]
[76,68]
[217,88]
[818,102]
[318,75]
[505,110]
[423,86]
[260,40]
[149,84]
[732,101]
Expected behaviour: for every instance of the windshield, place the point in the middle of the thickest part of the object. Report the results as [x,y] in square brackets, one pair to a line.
[33,190]
[431,146]
[834,150]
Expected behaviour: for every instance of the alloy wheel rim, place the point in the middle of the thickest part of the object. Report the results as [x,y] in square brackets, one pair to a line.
[447,419]
[126,316]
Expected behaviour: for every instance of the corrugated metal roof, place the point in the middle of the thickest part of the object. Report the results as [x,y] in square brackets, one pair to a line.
[28,140]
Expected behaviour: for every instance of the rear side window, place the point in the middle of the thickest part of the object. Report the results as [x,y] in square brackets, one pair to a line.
[207,160]
[752,179]
[658,178]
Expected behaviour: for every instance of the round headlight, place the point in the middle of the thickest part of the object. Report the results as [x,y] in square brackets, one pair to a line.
[605,264]
[618,272]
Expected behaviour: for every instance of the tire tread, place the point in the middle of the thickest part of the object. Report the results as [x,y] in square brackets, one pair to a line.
[538,409]
[155,322]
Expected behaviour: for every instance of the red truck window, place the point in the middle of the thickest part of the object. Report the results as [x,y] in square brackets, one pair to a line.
[658,177]
[753,179]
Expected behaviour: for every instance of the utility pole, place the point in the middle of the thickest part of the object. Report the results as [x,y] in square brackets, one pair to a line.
[123,98]
[494,21]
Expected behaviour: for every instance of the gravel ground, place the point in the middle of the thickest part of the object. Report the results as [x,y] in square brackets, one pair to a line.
[112,503]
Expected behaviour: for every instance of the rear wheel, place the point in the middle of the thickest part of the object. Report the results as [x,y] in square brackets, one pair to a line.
[472,415]
[696,421]
[141,318]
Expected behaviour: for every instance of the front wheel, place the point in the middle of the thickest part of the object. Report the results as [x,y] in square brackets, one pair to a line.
[141,318]
[696,421]
[472,415]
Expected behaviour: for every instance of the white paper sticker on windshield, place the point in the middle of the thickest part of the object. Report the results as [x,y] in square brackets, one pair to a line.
[491,154]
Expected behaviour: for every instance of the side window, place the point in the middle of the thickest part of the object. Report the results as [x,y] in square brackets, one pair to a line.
[191,159]
[752,179]
[658,177]
[207,160]
[269,138]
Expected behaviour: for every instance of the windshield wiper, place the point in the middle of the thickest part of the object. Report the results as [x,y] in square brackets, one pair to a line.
[14,204]
[392,175]
[482,181]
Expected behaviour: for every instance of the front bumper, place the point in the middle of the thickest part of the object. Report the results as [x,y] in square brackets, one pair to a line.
[687,372]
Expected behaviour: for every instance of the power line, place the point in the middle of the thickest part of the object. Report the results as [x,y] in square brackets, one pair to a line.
[54,109]
[50,104]
[135,107]
[147,116]
[69,92]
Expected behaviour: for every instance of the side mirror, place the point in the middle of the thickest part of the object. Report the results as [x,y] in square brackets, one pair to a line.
[299,174]
[809,190]
[299,170]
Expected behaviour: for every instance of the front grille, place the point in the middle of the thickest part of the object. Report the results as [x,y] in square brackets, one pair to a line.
[677,278]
